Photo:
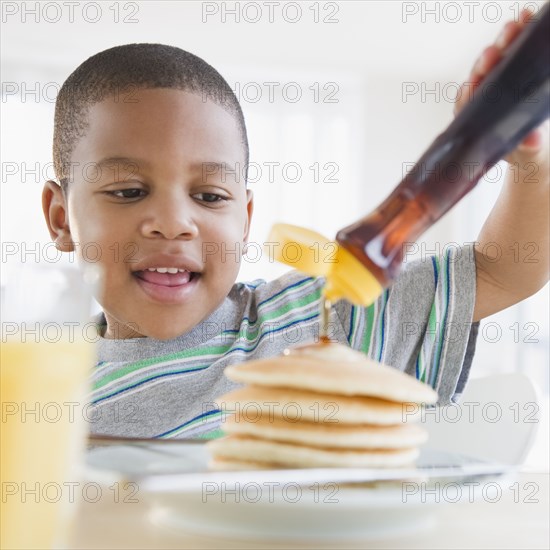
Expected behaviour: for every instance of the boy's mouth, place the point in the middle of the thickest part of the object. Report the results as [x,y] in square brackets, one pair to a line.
[165,276]
[166,285]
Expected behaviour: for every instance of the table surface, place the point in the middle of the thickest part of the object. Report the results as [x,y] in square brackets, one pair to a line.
[520,519]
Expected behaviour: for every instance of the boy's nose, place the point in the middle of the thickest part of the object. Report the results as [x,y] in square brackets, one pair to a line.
[171,220]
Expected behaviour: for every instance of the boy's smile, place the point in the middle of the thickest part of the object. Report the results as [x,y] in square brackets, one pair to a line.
[146,199]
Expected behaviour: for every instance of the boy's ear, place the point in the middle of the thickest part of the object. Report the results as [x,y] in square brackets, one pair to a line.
[54,206]
[249,212]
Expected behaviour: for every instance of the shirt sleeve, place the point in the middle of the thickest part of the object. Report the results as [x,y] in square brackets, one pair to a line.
[422,324]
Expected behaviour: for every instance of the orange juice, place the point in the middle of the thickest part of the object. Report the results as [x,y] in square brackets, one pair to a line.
[42,435]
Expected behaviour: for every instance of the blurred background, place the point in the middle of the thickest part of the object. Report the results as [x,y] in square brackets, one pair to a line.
[339,98]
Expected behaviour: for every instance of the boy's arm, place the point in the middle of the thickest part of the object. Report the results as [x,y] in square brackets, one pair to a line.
[516,263]
[519,225]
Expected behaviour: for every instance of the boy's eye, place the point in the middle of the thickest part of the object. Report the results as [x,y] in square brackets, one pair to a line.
[210,197]
[127,193]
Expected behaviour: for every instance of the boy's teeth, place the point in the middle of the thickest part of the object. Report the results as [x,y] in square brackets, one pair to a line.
[171,270]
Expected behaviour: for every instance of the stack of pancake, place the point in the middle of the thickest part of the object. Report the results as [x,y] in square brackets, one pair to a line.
[320,405]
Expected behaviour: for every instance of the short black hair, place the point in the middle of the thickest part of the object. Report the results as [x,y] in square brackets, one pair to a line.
[130,67]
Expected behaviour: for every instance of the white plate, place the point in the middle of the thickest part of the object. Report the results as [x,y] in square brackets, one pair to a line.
[305,504]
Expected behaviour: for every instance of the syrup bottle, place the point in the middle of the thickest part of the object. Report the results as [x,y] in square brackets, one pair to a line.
[512,100]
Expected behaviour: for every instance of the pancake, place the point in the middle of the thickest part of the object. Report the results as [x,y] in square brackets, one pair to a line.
[334,369]
[252,449]
[315,434]
[252,403]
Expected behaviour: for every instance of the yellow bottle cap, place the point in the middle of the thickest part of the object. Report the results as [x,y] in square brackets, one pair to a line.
[314,254]
[302,249]
[350,279]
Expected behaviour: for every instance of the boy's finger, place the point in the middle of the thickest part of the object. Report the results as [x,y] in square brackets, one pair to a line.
[508,34]
[486,61]
[532,141]
[490,57]
[461,99]
[513,29]
[536,138]
[525,16]
[492,54]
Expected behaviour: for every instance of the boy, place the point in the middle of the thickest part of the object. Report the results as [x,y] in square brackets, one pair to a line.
[148,119]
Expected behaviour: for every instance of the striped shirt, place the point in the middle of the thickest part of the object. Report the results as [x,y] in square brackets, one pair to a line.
[422,325]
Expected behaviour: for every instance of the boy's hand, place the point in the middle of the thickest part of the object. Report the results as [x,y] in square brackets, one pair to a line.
[518,224]
[534,148]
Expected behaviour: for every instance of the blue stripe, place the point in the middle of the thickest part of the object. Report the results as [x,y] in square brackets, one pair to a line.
[203,415]
[284,290]
[253,286]
[310,318]
[383,331]
[447,270]
[437,355]
[265,334]
[436,275]
[252,323]
[351,323]
[141,382]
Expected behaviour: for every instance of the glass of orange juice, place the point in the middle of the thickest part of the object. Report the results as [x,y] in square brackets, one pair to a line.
[46,354]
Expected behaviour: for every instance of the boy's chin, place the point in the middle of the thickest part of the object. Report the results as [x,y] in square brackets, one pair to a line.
[134,330]
[165,325]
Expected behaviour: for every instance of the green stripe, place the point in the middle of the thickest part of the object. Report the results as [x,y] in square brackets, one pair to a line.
[214,434]
[285,292]
[246,332]
[369,319]
[250,330]
[127,370]
[132,367]
[147,379]
[187,427]
[422,372]
[444,277]
[297,302]
[281,310]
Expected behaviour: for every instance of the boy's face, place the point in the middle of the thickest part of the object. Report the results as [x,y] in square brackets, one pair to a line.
[164,206]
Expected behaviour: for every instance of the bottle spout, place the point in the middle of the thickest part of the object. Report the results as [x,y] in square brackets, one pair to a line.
[349,279]
[310,252]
